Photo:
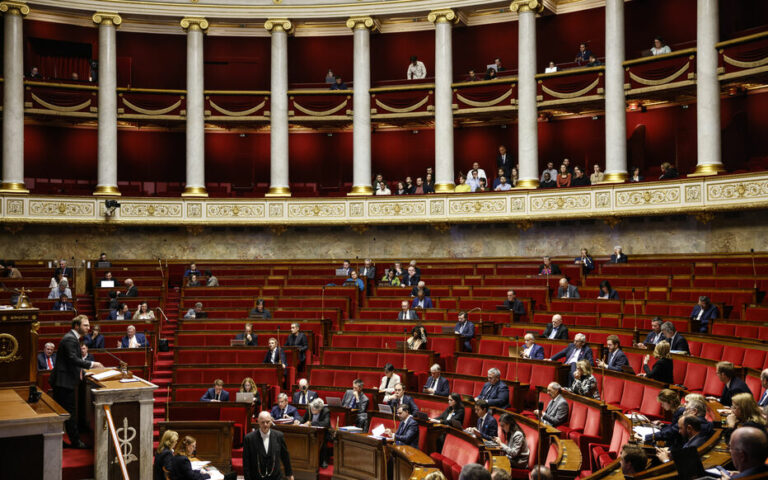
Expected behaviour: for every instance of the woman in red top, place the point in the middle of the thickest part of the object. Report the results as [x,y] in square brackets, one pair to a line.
[563,178]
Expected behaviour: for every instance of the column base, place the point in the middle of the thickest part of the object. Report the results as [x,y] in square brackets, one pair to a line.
[444,187]
[706,170]
[106,191]
[361,190]
[527,184]
[615,177]
[194,192]
[13,187]
[278,192]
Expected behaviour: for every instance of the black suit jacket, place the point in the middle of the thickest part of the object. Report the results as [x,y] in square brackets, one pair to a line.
[517,307]
[663,370]
[458,415]
[311,395]
[252,343]
[162,459]
[442,389]
[323,418]
[280,356]
[66,272]
[131,292]
[618,361]
[505,163]
[181,469]
[562,332]
[678,343]
[738,385]
[407,400]
[299,340]
[255,458]
[622,259]
[66,370]
[42,364]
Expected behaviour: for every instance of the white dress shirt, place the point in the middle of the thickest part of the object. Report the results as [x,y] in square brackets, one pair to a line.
[265,439]
[416,72]
[574,356]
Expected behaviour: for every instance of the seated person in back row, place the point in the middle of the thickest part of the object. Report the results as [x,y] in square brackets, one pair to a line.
[400,398]
[421,300]
[63,304]
[283,410]
[275,354]
[556,329]
[247,335]
[132,339]
[421,285]
[120,313]
[216,393]
[259,311]
[196,312]
[514,304]
[567,290]
[354,281]
[548,268]
[406,313]
[192,270]
[618,256]
[704,312]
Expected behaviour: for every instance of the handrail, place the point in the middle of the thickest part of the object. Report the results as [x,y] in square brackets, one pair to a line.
[678,53]
[736,41]
[116,442]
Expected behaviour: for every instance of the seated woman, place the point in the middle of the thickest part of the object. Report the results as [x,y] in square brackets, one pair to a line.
[584,383]
[418,339]
[563,178]
[669,433]
[259,311]
[401,190]
[429,184]
[454,412]
[607,292]
[181,467]
[636,177]
[512,441]
[193,281]
[144,313]
[744,413]
[462,186]
[248,385]
[389,279]
[354,281]
[663,369]
[164,454]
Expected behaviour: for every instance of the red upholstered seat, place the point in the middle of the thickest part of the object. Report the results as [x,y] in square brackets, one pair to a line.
[733,354]
[321,377]
[456,452]
[712,384]
[694,376]
[631,396]
[590,433]
[576,419]
[754,359]
[469,366]
[712,351]
[649,406]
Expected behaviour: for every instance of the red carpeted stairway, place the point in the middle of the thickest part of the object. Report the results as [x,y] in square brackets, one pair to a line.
[161,371]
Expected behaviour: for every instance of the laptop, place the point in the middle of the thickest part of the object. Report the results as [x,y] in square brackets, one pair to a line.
[333,401]
[491,66]
[244,397]
[341,272]
[107,284]
[103,264]
[384,408]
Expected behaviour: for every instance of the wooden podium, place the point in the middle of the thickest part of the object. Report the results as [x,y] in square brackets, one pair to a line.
[358,456]
[304,443]
[130,406]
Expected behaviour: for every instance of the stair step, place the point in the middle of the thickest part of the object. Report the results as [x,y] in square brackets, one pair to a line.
[158,411]
[161,381]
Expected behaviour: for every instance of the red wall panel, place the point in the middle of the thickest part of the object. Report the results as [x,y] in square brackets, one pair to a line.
[476,47]
[391,53]
[157,61]
[309,58]
[236,63]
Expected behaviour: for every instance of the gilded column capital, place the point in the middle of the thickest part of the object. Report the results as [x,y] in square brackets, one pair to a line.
[278,25]
[523,6]
[194,23]
[14,8]
[444,15]
[362,23]
[107,18]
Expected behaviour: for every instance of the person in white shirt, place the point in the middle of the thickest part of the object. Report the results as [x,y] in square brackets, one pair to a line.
[474,180]
[503,186]
[388,382]
[383,189]
[551,170]
[416,69]
[551,68]
[480,171]
[659,47]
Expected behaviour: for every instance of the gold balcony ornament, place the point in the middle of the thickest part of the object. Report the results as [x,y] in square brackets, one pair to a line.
[194,23]
[362,23]
[194,192]
[527,184]
[615,177]
[106,191]
[361,190]
[705,170]
[524,6]
[13,187]
[444,188]
[107,18]
[278,192]
[14,8]
[279,25]
[445,15]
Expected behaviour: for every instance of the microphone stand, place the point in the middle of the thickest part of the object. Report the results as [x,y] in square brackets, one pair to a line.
[634,306]
[322,303]
[754,270]
[517,357]
[405,347]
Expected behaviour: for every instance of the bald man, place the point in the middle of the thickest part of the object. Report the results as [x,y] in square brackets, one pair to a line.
[263,450]
[749,450]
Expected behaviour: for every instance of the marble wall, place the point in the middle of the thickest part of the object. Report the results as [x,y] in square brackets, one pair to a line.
[725,233]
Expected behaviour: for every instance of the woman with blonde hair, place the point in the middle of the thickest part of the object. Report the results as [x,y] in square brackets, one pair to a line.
[744,413]
[164,454]
[663,369]
[248,385]
[584,383]
[181,466]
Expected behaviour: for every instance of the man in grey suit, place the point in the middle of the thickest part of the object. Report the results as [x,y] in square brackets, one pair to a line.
[357,400]
[567,290]
[556,413]
[406,313]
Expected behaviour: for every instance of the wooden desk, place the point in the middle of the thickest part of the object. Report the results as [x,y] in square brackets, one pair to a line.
[405,459]
[570,464]
[214,439]
[358,456]
[304,443]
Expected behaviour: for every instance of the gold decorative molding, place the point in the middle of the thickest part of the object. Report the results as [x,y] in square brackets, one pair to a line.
[441,227]
[704,217]
[106,191]
[194,23]
[359,229]
[444,187]
[615,177]
[14,8]
[612,221]
[279,192]
[278,230]
[444,15]
[524,225]
[361,190]
[709,169]
[279,25]
[107,18]
[13,187]
[194,192]
[362,23]
[524,6]
[527,184]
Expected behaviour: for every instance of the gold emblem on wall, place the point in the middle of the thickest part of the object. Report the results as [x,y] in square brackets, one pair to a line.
[9,348]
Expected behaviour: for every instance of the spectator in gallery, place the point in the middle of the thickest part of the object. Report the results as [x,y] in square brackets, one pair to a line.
[566,290]
[503,186]
[389,279]
[34,74]
[618,256]
[490,74]
[401,190]
[513,177]
[75,77]
[193,281]
[668,172]
[586,262]
[660,47]
[582,57]
[192,270]
[594,62]
[474,181]
[504,160]
[563,178]
[430,171]
[330,77]
[551,68]
[498,65]
[409,185]
[419,188]
[636,177]
[472,76]
[212,280]
[429,184]
[607,292]
[339,84]
[579,179]
[462,186]
[567,163]
[354,281]
[551,170]
[259,311]
[547,182]
[483,186]
[704,312]
[416,69]
[377,181]
[597,176]
[480,171]
[548,268]
[496,181]
[382,189]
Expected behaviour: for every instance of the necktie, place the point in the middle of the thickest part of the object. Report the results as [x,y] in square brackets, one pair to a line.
[764,399]
[303,398]
[386,385]
[50,364]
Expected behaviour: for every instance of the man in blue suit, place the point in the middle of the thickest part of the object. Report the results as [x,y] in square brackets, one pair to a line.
[217,393]
[704,313]
[399,398]
[531,350]
[275,355]
[421,300]
[437,384]
[466,330]
[487,427]
[677,343]
[495,392]
[283,410]
[408,431]
[654,336]
[574,352]
[618,256]
[133,339]
[616,358]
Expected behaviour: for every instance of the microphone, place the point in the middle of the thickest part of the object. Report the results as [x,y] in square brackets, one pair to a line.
[517,357]
[754,270]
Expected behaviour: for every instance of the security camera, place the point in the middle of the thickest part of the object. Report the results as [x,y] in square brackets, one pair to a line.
[111,206]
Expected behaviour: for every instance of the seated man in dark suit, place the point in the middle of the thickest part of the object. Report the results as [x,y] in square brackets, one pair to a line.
[566,290]
[247,335]
[130,289]
[556,330]
[406,313]
[259,311]
[133,339]
[400,398]
[704,313]
[690,427]
[548,268]
[84,353]
[275,355]
[487,426]
[299,340]
[304,395]
[512,303]
[578,350]
[217,393]
[357,400]
[408,431]
[676,341]
[466,330]
[63,269]
[47,358]
[283,410]
[421,285]
[616,359]
[436,383]
[732,383]
[654,336]
[410,279]
[63,304]
[495,392]
[618,256]
[318,415]
[530,349]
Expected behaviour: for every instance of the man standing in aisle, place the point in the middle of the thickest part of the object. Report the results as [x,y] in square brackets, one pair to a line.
[263,450]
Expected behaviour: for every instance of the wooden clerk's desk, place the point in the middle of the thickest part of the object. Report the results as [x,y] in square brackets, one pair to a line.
[304,445]
[359,456]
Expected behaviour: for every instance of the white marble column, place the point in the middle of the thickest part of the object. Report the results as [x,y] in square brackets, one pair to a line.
[195,186]
[107,167]
[278,111]
[444,174]
[707,90]
[527,114]
[361,110]
[615,105]
[13,98]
